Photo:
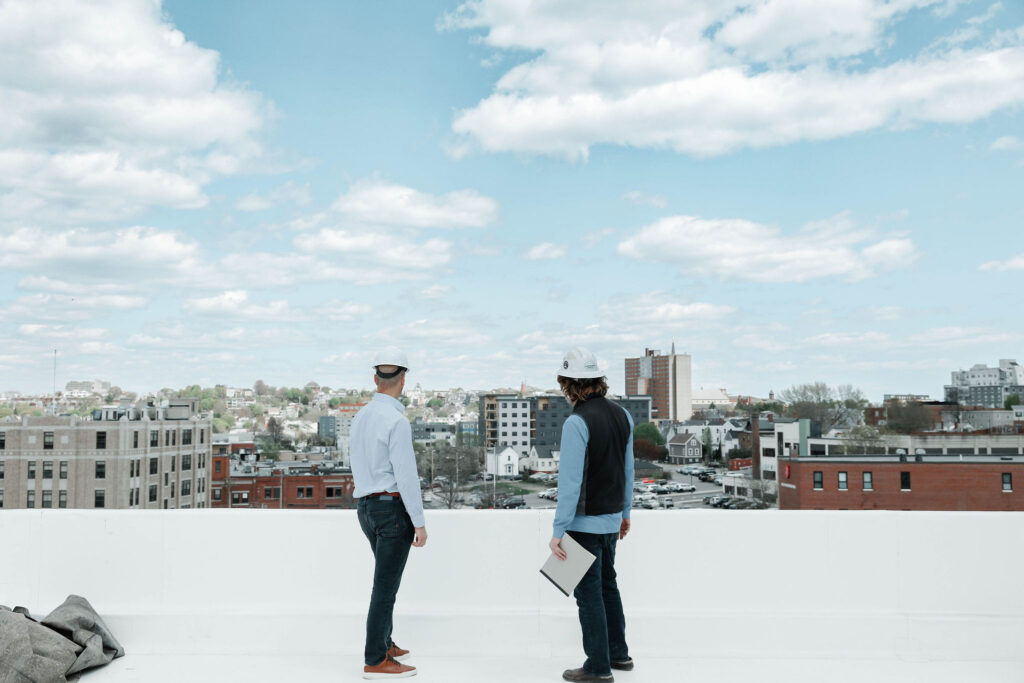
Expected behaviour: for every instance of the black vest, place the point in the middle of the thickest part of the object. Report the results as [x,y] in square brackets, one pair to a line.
[603,490]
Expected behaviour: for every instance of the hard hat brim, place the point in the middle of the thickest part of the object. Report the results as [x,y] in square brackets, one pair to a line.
[581,374]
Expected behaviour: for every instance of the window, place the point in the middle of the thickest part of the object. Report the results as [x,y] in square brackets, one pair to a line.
[1,498]
[152,493]
[1,469]
[154,438]
[868,483]
[305,492]
[47,469]
[47,499]
[240,498]
[101,469]
[842,481]
[100,498]
[186,462]
[167,479]
[904,481]
[101,440]
[3,440]
[47,441]
[174,462]
[62,501]
[1007,481]
[154,465]
[272,493]
[216,466]
[30,499]
[186,487]
[202,436]
[216,494]
[174,437]
[135,439]
[818,479]
[31,469]
[186,437]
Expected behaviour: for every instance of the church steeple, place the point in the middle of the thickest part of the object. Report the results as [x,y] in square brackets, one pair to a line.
[673,347]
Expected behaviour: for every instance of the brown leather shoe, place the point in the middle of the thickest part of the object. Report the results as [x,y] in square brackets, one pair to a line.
[388,668]
[581,674]
[623,664]
[397,653]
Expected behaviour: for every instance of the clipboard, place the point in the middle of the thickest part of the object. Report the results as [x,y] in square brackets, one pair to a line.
[566,574]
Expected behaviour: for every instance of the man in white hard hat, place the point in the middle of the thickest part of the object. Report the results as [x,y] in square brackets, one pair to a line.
[595,494]
[390,507]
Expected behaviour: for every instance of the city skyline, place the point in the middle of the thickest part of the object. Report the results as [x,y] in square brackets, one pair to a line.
[273,194]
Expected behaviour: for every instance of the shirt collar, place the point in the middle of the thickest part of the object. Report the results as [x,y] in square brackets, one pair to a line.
[393,402]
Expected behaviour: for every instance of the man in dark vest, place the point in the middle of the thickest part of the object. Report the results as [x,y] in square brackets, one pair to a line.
[595,494]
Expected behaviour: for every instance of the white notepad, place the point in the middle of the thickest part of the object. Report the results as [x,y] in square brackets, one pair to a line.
[566,574]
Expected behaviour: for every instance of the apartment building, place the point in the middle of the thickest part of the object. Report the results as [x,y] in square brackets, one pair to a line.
[985,386]
[666,379]
[124,457]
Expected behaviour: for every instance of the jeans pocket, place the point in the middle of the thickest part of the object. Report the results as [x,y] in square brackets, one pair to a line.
[385,522]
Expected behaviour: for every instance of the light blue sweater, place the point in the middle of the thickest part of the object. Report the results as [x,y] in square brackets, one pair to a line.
[575,436]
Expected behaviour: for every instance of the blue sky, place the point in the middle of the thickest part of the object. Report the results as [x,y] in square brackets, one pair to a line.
[224,192]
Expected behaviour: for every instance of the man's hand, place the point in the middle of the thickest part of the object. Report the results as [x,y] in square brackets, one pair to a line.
[420,539]
[556,548]
[623,529]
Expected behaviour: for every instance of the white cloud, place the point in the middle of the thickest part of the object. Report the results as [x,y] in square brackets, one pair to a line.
[435,291]
[644,199]
[235,303]
[377,202]
[707,78]
[337,309]
[545,251]
[1007,143]
[108,109]
[1012,263]
[380,249]
[63,332]
[660,308]
[735,248]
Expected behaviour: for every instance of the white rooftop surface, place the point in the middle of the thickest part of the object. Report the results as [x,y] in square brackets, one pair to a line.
[267,595]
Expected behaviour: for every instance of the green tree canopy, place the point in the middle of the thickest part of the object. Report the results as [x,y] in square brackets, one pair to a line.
[648,432]
[1011,401]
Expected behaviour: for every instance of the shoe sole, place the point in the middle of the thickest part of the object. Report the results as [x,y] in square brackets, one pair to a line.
[404,674]
[622,667]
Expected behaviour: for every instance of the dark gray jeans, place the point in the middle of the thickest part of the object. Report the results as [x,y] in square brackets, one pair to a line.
[388,528]
[600,607]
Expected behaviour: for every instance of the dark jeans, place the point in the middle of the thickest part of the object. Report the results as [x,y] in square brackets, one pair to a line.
[597,595]
[388,528]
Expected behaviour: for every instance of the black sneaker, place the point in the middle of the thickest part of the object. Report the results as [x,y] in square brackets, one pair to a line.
[581,674]
[623,664]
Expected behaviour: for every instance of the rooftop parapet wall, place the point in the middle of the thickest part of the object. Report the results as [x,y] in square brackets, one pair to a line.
[864,585]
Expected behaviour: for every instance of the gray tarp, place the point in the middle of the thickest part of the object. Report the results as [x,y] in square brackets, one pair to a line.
[70,639]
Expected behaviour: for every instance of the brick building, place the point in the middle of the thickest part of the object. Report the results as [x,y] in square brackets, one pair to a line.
[140,456]
[277,490]
[666,379]
[884,482]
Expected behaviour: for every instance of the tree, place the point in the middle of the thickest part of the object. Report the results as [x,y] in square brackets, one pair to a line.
[648,432]
[646,450]
[1011,401]
[826,405]
[435,403]
[456,465]
[863,440]
[274,430]
[707,443]
[260,388]
[906,418]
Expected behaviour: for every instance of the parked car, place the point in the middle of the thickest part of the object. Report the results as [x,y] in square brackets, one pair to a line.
[686,488]
[707,499]
[723,501]
[637,503]
[660,490]
[667,503]
[673,487]
[513,502]
[650,504]
[646,495]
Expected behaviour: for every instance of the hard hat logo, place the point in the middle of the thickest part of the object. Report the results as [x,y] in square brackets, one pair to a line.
[579,363]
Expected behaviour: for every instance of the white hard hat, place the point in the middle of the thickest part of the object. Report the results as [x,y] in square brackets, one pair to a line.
[391,355]
[579,363]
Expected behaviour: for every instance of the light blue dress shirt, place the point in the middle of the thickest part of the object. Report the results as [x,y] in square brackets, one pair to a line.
[575,436]
[383,459]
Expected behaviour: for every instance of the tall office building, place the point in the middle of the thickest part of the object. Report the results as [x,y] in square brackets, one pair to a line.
[125,457]
[666,379]
[985,386]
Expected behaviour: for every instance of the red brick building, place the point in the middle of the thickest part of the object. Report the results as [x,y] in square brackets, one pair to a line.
[915,483]
[666,379]
[276,491]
